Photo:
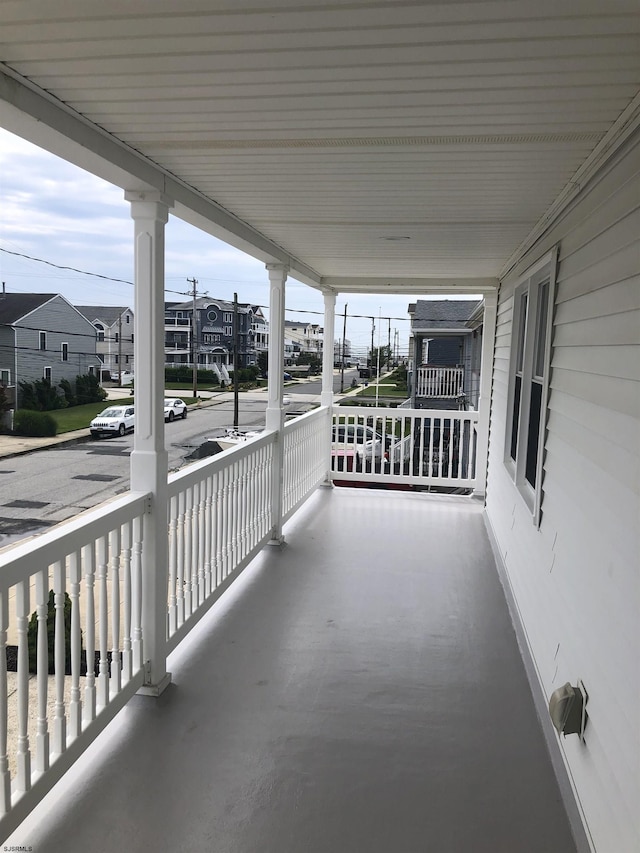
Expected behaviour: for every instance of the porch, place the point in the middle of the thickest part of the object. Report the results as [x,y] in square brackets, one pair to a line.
[358,688]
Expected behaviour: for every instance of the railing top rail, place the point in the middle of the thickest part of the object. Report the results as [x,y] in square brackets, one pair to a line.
[378,412]
[20,561]
[311,415]
[213,464]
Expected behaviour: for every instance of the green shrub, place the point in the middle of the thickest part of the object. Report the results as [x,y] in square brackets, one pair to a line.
[28,422]
[69,392]
[184,373]
[88,389]
[32,635]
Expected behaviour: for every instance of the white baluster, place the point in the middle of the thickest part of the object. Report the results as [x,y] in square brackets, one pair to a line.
[136,594]
[127,655]
[5,776]
[202,527]
[88,564]
[42,671]
[173,565]
[114,548]
[208,533]
[23,756]
[216,532]
[195,547]
[180,547]
[188,536]
[60,654]
[103,622]
[75,703]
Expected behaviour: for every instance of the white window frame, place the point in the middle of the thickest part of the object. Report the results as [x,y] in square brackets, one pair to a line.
[527,354]
[5,377]
[64,351]
[42,341]
[47,373]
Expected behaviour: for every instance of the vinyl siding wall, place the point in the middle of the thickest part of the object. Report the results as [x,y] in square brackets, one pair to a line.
[62,323]
[575,580]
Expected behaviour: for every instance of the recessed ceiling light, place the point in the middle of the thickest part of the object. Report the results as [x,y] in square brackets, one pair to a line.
[396,237]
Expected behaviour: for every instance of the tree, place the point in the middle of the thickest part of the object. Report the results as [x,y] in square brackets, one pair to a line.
[263,362]
[314,361]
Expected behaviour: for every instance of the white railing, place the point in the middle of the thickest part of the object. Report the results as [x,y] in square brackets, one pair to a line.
[219,518]
[414,447]
[305,458]
[439,382]
[77,585]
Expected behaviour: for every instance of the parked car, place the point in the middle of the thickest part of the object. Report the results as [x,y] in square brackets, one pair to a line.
[124,377]
[287,376]
[116,420]
[174,408]
[364,440]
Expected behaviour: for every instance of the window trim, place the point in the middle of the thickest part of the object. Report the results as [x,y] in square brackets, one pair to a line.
[64,351]
[42,341]
[50,372]
[524,352]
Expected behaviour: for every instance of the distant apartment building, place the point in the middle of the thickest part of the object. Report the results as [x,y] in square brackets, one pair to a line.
[211,341]
[304,337]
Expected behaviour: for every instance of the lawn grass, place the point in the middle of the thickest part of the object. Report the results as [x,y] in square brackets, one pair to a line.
[78,417]
[390,390]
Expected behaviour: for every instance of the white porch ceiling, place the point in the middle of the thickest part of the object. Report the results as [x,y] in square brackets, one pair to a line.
[370,145]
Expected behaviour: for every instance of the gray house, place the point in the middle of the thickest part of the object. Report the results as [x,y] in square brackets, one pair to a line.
[42,336]
[114,339]
[445,350]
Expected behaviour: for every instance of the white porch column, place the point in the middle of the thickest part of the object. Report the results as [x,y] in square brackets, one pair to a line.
[326,397]
[275,409]
[484,400]
[149,459]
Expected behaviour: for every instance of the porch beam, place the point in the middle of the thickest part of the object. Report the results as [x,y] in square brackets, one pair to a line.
[484,400]
[149,459]
[275,410]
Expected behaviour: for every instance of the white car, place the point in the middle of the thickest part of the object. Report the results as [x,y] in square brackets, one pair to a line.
[174,408]
[366,443]
[116,420]
[124,378]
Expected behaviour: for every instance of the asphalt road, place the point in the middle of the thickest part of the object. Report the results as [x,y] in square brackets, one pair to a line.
[50,485]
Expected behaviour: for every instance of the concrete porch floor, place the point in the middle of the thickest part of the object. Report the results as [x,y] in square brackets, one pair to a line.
[358,689]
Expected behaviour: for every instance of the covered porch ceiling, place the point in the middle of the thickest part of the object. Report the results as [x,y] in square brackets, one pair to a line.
[382,146]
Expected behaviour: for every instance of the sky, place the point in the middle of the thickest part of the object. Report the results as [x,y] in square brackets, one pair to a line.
[55,212]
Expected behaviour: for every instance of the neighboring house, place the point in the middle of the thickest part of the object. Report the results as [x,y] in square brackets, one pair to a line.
[445,349]
[42,336]
[214,334]
[308,336]
[342,348]
[114,327]
[260,330]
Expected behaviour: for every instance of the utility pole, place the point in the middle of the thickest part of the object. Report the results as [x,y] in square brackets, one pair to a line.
[236,338]
[120,350]
[373,329]
[194,327]
[344,341]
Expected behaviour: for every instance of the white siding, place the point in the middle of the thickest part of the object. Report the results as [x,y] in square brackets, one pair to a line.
[576,579]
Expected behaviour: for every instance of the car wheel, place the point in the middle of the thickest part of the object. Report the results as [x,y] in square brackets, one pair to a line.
[121,430]
[184,414]
[170,416]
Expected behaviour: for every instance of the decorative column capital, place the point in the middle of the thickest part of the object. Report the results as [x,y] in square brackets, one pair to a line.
[277,272]
[149,204]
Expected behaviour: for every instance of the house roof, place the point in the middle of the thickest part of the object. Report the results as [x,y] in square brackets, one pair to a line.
[427,314]
[207,302]
[15,306]
[107,314]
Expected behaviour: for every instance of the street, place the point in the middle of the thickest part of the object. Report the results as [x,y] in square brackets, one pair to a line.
[46,487]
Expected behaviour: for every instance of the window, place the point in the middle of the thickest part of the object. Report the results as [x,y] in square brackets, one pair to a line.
[5,377]
[65,352]
[529,380]
[228,331]
[100,331]
[131,337]
[46,374]
[42,340]
[116,359]
[128,318]
[117,338]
